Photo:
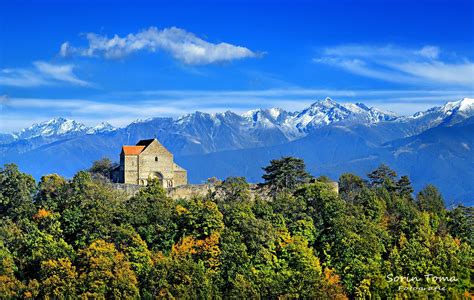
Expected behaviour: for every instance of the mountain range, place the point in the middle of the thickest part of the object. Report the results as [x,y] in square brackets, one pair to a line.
[434,146]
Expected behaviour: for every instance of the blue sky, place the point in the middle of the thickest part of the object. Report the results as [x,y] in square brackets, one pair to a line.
[118,61]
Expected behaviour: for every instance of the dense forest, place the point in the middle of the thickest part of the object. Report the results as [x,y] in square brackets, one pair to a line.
[292,236]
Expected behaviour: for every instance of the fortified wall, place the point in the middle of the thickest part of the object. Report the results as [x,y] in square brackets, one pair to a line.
[183,191]
[189,190]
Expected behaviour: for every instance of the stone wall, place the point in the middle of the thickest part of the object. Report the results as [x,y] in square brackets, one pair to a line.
[180,177]
[189,190]
[130,189]
[184,191]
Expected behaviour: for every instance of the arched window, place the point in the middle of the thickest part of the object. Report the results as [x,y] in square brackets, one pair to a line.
[156,158]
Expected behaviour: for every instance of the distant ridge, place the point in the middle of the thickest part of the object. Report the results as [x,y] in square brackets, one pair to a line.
[333,137]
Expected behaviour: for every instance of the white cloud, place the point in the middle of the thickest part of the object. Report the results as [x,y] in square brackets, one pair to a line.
[41,74]
[21,78]
[429,52]
[183,45]
[360,67]
[390,63]
[59,72]
[437,71]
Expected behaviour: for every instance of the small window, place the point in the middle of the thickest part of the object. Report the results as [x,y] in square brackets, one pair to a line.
[156,158]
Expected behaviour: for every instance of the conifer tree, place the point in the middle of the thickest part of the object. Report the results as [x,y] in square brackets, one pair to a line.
[284,175]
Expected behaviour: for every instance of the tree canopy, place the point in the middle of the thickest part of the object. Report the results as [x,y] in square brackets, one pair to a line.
[284,175]
[82,238]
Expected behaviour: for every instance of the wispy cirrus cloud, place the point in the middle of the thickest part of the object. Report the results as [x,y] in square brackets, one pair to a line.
[396,64]
[41,74]
[181,44]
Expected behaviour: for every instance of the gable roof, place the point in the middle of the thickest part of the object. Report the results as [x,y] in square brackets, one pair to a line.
[145,142]
[132,150]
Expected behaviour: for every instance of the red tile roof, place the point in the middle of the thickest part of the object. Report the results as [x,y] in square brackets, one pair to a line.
[132,150]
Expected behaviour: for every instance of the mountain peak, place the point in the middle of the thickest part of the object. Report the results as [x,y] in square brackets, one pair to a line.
[327,102]
[448,114]
[463,105]
[53,127]
[102,127]
[466,104]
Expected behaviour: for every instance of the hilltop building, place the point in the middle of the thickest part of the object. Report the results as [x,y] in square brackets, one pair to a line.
[146,160]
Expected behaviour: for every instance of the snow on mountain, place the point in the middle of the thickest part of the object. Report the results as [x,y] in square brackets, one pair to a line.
[53,127]
[57,127]
[466,105]
[265,118]
[255,124]
[448,114]
[319,114]
[102,127]
[327,112]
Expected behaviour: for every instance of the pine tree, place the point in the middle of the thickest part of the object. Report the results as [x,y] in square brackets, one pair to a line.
[383,176]
[430,199]
[284,175]
[404,187]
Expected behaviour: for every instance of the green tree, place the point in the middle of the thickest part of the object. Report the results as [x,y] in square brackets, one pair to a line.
[285,175]
[430,199]
[152,213]
[404,188]
[16,193]
[106,273]
[323,204]
[235,264]
[461,223]
[89,208]
[233,189]
[198,217]
[10,286]
[180,278]
[103,167]
[50,189]
[83,238]
[383,176]
[372,206]
[350,186]
[135,249]
[58,279]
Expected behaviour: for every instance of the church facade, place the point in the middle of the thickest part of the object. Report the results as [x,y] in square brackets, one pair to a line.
[149,159]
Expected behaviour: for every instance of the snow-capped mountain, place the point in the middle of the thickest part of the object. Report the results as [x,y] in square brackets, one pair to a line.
[448,114]
[330,136]
[100,128]
[266,118]
[319,114]
[259,127]
[464,106]
[57,127]
[323,113]
[53,127]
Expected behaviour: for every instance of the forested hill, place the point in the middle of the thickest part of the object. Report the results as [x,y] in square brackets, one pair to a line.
[299,239]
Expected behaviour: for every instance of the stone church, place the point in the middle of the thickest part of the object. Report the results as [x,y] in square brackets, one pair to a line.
[149,159]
